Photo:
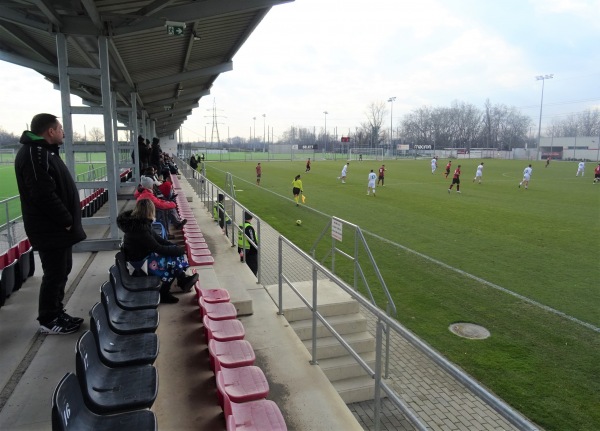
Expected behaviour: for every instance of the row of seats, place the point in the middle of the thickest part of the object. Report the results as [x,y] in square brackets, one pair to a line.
[242,387]
[92,203]
[115,382]
[197,250]
[16,265]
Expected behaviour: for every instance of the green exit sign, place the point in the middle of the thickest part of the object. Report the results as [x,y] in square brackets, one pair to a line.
[175,30]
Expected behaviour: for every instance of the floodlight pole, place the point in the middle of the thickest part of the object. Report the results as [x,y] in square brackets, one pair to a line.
[391,100]
[264,132]
[543,79]
[325,112]
[254,133]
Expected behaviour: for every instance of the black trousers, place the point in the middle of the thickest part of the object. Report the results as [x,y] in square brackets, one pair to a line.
[252,261]
[56,265]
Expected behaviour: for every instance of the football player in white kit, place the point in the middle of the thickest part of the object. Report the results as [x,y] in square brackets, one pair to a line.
[371,184]
[344,173]
[526,177]
[479,173]
[580,169]
[433,165]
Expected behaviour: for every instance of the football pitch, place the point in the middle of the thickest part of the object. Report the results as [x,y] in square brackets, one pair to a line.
[522,263]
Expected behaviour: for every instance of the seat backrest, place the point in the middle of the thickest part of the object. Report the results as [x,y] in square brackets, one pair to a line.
[107,296]
[13,253]
[207,328]
[89,368]
[221,388]
[99,324]
[115,276]
[24,246]
[67,403]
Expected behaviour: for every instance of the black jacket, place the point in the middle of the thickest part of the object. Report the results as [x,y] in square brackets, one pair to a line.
[49,197]
[140,239]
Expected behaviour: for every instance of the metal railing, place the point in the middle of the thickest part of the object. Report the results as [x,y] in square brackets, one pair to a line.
[11,226]
[358,273]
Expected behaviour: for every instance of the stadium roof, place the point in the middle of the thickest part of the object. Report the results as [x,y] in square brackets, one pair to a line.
[151,52]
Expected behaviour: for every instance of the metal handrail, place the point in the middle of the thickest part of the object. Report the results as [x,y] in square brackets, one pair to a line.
[357,265]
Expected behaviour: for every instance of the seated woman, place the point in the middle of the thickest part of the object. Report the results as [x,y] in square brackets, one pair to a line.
[165,259]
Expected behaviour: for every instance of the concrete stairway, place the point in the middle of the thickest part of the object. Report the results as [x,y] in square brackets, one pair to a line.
[342,312]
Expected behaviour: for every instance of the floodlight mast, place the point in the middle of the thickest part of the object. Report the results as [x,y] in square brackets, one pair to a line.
[391,100]
[543,79]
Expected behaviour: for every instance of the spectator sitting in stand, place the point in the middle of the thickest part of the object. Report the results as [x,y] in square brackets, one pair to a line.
[166,188]
[165,259]
[171,165]
[145,192]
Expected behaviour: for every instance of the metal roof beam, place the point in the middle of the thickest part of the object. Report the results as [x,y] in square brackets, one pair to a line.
[185,109]
[10,15]
[153,7]
[49,12]
[92,10]
[194,12]
[31,64]
[184,76]
[30,42]
[193,94]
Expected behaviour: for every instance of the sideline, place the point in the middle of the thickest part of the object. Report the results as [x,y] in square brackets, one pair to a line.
[446,266]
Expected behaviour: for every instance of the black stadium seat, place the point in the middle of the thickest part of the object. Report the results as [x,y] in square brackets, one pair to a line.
[112,390]
[148,282]
[69,412]
[118,350]
[127,321]
[132,300]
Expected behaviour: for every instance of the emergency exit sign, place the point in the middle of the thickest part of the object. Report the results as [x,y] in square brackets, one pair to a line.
[175,30]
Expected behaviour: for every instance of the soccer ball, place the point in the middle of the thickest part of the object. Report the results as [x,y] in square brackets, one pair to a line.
[298,222]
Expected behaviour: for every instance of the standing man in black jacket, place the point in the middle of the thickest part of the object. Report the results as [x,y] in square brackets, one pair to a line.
[52,217]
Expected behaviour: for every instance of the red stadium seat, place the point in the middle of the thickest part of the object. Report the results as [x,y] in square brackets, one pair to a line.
[223,330]
[243,384]
[212,296]
[217,311]
[260,415]
[231,354]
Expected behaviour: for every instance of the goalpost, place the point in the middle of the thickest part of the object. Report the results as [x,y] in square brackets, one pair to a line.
[7,155]
[365,154]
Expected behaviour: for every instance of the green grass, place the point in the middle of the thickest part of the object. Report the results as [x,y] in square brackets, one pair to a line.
[541,243]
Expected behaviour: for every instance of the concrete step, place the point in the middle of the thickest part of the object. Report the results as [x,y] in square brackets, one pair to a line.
[345,367]
[355,389]
[334,309]
[343,324]
[332,300]
[330,347]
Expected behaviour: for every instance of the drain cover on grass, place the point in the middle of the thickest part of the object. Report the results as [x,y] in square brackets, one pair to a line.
[469,330]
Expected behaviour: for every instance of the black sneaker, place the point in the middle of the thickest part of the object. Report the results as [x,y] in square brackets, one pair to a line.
[59,326]
[188,282]
[75,320]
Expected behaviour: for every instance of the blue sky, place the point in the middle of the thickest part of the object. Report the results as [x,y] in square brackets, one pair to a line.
[338,56]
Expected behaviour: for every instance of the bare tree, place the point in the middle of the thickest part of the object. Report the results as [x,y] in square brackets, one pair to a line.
[374,125]
[96,134]
[585,123]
